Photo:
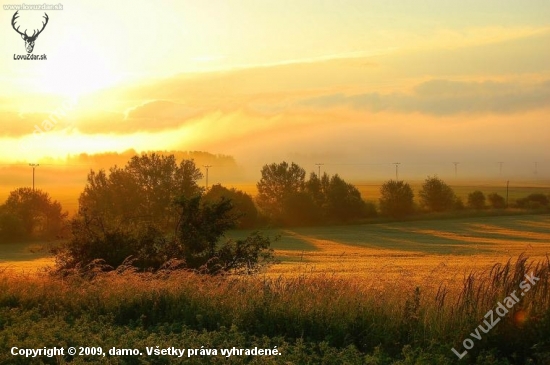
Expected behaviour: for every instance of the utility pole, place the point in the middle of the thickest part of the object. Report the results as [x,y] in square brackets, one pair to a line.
[319,166]
[456,169]
[500,168]
[507,186]
[207,167]
[397,170]
[33,165]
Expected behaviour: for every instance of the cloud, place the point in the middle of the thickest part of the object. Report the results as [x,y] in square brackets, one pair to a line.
[14,124]
[171,114]
[382,83]
[151,116]
[446,97]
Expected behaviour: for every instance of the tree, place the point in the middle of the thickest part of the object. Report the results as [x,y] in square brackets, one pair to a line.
[533,201]
[458,204]
[300,209]
[243,209]
[343,201]
[199,228]
[476,200]
[152,212]
[141,191]
[396,199]
[286,198]
[30,214]
[317,187]
[496,201]
[11,227]
[278,183]
[437,196]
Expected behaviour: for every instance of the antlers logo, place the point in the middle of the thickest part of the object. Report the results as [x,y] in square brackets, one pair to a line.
[29,40]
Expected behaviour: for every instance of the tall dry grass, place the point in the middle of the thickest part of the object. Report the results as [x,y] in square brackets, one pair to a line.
[315,308]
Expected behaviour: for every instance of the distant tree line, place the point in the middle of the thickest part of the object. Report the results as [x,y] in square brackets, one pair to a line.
[397,199]
[152,213]
[287,198]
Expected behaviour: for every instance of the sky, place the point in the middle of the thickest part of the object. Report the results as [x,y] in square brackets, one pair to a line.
[355,85]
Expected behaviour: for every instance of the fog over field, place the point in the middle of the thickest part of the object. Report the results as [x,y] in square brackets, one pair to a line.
[425,89]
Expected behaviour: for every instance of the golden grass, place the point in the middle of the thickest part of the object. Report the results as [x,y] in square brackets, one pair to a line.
[27,266]
[411,268]
[382,268]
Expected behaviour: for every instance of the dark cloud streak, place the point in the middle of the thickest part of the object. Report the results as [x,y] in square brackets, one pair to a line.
[445,97]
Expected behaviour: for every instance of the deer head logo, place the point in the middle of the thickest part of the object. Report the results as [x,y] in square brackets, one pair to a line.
[29,40]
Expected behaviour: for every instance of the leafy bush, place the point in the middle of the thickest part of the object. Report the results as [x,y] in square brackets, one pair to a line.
[195,243]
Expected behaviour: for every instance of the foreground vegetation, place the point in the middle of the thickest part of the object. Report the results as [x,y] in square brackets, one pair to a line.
[311,319]
[131,274]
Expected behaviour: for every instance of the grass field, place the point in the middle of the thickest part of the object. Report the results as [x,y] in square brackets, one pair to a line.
[406,250]
[401,293]
[417,253]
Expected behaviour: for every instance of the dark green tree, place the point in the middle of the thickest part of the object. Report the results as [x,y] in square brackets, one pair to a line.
[200,227]
[343,201]
[286,198]
[141,191]
[29,214]
[317,187]
[437,196]
[11,227]
[278,183]
[197,242]
[533,201]
[300,210]
[244,209]
[152,212]
[476,200]
[496,201]
[396,199]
